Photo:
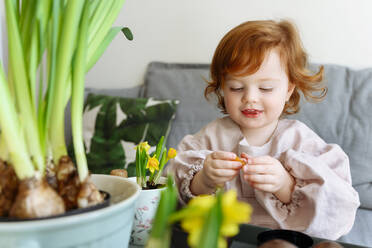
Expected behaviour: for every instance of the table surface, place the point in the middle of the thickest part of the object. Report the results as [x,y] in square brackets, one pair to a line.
[247,238]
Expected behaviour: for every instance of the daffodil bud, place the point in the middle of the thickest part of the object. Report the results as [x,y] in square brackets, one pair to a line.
[146,146]
[172,153]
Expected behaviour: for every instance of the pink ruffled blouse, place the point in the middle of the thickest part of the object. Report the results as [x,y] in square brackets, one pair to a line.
[323,202]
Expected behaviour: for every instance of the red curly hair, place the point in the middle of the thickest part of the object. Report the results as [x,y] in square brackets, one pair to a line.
[243,49]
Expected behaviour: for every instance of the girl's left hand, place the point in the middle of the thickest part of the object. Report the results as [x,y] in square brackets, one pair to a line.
[267,174]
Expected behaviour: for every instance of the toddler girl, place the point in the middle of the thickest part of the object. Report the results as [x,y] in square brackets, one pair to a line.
[289,175]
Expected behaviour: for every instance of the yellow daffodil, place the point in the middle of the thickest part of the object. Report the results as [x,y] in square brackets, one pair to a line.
[234,213]
[204,202]
[152,164]
[194,215]
[144,145]
[172,153]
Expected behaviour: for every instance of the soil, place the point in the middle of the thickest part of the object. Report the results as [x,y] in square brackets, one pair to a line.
[153,186]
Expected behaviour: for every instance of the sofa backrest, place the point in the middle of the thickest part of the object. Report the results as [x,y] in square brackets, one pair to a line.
[344,117]
[184,82]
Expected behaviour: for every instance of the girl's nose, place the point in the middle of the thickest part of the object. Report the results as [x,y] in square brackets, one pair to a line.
[250,95]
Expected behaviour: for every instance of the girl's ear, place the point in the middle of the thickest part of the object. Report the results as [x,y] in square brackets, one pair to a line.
[291,87]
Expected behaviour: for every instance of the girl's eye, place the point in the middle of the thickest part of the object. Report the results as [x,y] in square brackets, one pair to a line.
[266,89]
[236,89]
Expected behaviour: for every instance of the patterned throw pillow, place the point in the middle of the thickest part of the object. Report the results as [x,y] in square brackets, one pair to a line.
[113,126]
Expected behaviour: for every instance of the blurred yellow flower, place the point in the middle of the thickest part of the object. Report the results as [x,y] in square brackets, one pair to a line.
[153,164]
[172,153]
[192,216]
[234,213]
[194,227]
[144,145]
[195,214]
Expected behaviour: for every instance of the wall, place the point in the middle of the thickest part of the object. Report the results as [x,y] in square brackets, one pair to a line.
[1,31]
[1,45]
[333,31]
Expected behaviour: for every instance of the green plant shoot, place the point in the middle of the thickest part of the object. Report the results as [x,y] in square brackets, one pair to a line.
[52,44]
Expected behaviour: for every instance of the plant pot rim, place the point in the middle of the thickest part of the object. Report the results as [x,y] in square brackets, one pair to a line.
[78,218]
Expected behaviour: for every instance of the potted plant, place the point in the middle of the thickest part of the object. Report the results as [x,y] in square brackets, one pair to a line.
[51,46]
[149,168]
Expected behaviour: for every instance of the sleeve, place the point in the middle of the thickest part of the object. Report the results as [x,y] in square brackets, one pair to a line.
[324,203]
[189,160]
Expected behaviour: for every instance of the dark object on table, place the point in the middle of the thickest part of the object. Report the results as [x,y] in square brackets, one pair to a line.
[297,238]
[277,243]
[328,244]
[179,237]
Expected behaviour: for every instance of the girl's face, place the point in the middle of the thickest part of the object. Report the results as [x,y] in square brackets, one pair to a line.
[256,101]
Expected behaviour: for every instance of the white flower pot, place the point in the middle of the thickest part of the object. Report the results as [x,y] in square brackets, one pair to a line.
[145,210]
[105,227]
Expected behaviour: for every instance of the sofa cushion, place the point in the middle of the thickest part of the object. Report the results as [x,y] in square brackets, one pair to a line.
[360,234]
[132,92]
[343,117]
[113,126]
[185,82]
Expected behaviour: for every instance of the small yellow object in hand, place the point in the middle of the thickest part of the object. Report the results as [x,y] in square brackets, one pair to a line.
[240,160]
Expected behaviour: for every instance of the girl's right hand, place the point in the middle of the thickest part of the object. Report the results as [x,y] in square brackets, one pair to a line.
[219,167]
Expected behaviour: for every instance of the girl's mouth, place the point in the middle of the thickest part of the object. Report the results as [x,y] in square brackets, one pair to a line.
[251,113]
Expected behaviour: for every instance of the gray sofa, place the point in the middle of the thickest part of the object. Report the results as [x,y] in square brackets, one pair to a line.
[344,117]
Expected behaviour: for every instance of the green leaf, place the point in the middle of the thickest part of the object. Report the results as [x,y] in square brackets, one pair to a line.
[77,97]
[138,161]
[144,159]
[18,71]
[65,52]
[92,60]
[159,148]
[127,33]
[17,149]
[106,152]
[99,36]
[162,162]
